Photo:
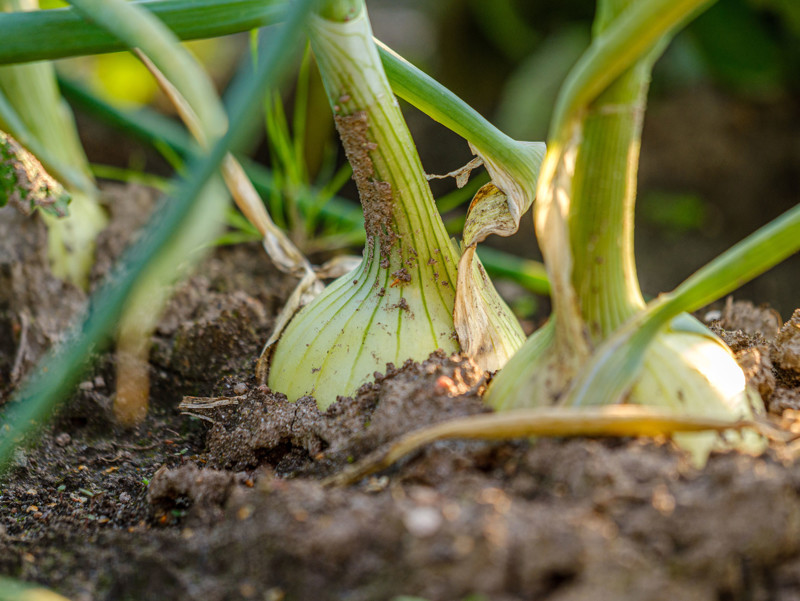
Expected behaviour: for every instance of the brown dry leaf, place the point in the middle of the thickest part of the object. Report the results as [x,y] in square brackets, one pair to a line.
[461,175]
[487,330]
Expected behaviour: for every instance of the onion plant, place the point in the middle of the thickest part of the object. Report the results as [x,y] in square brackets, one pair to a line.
[31,109]
[603,343]
[400,301]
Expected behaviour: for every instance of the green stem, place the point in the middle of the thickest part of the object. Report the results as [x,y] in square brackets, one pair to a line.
[601,215]
[432,98]
[61,33]
[386,165]
[628,37]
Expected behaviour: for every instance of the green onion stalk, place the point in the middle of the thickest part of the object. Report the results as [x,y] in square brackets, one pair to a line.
[32,110]
[584,221]
[161,50]
[398,303]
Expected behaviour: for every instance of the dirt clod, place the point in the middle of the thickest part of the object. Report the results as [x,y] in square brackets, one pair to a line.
[757,366]
[753,321]
[204,490]
[787,345]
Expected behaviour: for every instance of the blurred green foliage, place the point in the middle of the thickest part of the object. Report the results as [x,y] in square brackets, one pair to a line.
[674,213]
[749,47]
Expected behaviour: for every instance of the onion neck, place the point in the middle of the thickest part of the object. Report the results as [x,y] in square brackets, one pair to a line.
[403,227]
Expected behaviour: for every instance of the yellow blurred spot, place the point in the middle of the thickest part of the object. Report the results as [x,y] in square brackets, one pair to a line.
[121,77]
[45,4]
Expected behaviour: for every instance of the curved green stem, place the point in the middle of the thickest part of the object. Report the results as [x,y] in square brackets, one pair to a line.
[432,98]
[61,33]
[628,37]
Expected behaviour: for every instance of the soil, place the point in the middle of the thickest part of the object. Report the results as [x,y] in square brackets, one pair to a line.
[225,501]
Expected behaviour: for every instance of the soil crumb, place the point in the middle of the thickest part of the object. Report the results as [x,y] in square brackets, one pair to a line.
[787,345]
[376,196]
[204,490]
[761,321]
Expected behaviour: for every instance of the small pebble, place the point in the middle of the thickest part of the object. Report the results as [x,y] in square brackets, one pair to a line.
[240,388]
[124,497]
[247,590]
[20,459]
[63,439]
[422,521]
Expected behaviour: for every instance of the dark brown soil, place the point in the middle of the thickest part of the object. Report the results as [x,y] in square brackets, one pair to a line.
[226,504]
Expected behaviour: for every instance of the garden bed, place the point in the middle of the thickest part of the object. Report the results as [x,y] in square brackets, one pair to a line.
[228,504]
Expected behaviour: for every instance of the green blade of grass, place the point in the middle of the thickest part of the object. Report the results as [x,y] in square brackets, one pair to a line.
[60,33]
[133,176]
[60,369]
